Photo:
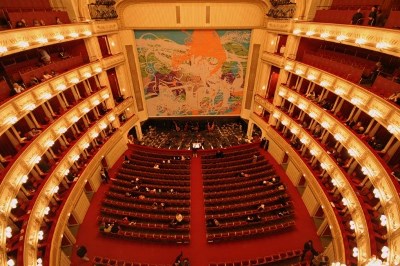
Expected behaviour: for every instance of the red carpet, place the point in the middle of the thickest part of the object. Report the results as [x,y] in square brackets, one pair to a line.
[198,251]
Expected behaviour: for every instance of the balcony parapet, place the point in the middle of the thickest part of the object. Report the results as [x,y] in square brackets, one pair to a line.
[274,59]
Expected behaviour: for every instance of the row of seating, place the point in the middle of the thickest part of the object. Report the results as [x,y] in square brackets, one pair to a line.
[151,169]
[48,17]
[168,202]
[263,175]
[286,256]
[104,261]
[207,158]
[255,180]
[163,188]
[172,159]
[167,238]
[145,208]
[146,171]
[240,234]
[235,161]
[206,163]
[147,194]
[248,170]
[150,180]
[235,166]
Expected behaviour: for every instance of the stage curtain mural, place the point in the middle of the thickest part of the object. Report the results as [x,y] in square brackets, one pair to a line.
[193,72]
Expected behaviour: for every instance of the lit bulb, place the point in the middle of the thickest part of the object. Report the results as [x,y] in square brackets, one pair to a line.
[296,31]
[40,235]
[46,210]
[87,75]
[361,41]
[87,32]
[61,87]
[8,232]
[59,37]
[288,67]
[325,35]
[13,203]
[74,80]
[341,37]
[98,70]
[22,44]
[74,35]
[3,49]
[42,40]
[310,33]
[24,179]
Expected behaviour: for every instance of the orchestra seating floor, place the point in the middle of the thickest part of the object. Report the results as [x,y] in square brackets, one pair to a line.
[198,250]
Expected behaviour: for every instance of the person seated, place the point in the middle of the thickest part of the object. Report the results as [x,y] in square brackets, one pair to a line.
[212,222]
[102,226]
[115,228]
[58,21]
[242,174]
[17,88]
[42,22]
[281,187]
[395,97]
[32,133]
[126,159]
[261,207]
[21,23]
[253,218]
[276,179]
[178,220]
[44,56]
[36,23]
[266,183]
[370,74]
[141,197]
[219,154]
[156,166]
[53,73]
[46,76]
[358,127]
[357,18]
[107,228]
[255,158]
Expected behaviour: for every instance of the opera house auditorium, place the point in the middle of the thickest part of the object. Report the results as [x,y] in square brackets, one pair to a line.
[219,133]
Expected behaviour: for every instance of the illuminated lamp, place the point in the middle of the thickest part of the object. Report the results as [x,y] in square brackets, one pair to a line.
[325,125]
[61,87]
[74,80]
[299,72]
[352,225]
[45,96]
[311,77]
[383,220]
[29,107]
[87,33]
[296,31]
[59,37]
[382,45]
[339,91]
[310,33]
[62,130]
[13,203]
[74,35]
[3,49]
[22,44]
[288,67]
[98,69]
[341,37]
[87,75]
[42,40]
[361,41]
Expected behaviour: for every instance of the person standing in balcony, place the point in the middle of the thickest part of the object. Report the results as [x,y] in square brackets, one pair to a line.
[372,16]
[357,18]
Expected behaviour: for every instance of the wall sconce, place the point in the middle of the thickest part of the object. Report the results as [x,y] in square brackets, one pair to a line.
[296,31]
[304,140]
[282,93]
[356,101]
[10,120]
[105,96]
[75,157]
[24,179]
[87,75]
[291,99]
[339,91]
[360,41]
[299,72]
[326,166]
[302,106]
[98,70]
[294,130]
[61,87]
[310,33]
[40,235]
[368,171]
[3,49]
[102,126]
[62,130]
[312,115]
[377,193]
[353,152]
[87,33]
[59,37]
[355,252]
[74,119]
[325,35]
[49,143]
[325,84]
[85,110]
[385,252]
[311,77]
[374,113]
[288,67]
[13,203]
[94,135]
[39,262]
[383,220]
[29,107]
[8,232]
[46,210]
[276,115]
[85,145]
[42,40]
[96,102]
[111,118]
[22,44]
[352,225]
[10,262]
[66,172]
[74,35]
[55,189]
[393,129]
[325,125]
[45,96]
[285,122]
[382,45]
[314,152]
[36,159]
[339,137]
[74,80]
[341,37]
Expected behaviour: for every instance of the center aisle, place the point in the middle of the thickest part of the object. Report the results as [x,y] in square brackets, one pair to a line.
[198,240]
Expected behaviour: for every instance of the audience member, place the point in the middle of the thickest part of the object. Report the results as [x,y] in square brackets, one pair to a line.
[357,18]
[81,252]
[44,56]
[261,207]
[380,18]
[372,16]
[42,22]
[308,247]
[17,88]
[253,218]
[58,21]
[104,175]
[36,23]
[212,222]
[21,23]
[395,97]
[46,76]
[34,81]
[156,166]
[242,174]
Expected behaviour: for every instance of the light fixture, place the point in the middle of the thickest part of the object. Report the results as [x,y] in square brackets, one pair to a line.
[75,157]
[46,210]
[361,41]
[382,45]
[10,262]
[55,189]
[49,143]
[294,130]
[29,107]
[62,130]
[85,110]
[102,126]
[302,106]
[314,152]
[74,119]
[339,137]
[282,93]
[40,235]
[74,80]
[8,232]
[42,40]
[3,49]
[39,262]
[385,252]
[59,37]
[325,84]
[393,129]
[276,115]
[325,166]
[111,118]
[383,220]
[296,31]
[22,44]
[352,225]
[353,152]
[377,193]
[325,125]
[85,145]
[374,113]
[10,120]
[13,203]
[356,101]
[334,182]
[311,77]
[345,201]
[61,87]
[98,69]
[304,140]
[87,75]
[66,172]
[313,115]
[35,159]
[288,67]
[310,33]
[325,35]
[105,96]
[291,99]
[87,33]
[285,122]
[74,35]
[94,135]
[341,37]
[45,96]
[24,179]
[299,72]
[96,102]
[368,171]
[339,91]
